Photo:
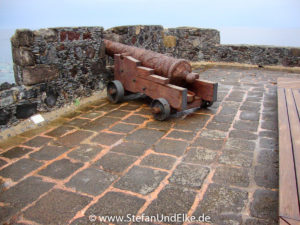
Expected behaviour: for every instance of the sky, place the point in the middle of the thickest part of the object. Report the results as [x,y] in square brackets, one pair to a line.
[274,22]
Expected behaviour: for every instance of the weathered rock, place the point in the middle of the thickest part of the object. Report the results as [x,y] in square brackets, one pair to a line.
[23,37]
[23,56]
[26,110]
[39,74]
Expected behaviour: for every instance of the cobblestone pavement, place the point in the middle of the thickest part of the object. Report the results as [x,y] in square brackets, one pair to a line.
[108,159]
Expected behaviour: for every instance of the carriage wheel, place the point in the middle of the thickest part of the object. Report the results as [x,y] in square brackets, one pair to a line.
[160,108]
[206,104]
[115,91]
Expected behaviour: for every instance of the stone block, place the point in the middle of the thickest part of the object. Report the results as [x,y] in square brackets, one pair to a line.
[91,181]
[141,180]
[49,35]
[159,161]
[16,152]
[57,207]
[23,37]
[23,57]
[39,74]
[189,175]
[169,41]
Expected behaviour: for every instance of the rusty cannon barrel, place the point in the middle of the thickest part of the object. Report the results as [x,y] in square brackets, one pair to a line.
[177,70]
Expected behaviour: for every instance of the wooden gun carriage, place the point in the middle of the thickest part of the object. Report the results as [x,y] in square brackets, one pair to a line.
[168,81]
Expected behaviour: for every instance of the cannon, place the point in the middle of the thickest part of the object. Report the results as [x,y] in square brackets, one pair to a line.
[170,82]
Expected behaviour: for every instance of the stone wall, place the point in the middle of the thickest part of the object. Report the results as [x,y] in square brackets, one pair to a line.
[52,67]
[55,66]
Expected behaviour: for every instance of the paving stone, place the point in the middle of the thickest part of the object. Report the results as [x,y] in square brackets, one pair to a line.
[85,220]
[141,180]
[6,212]
[269,143]
[60,169]
[240,144]
[200,156]
[236,158]
[146,111]
[251,106]
[19,169]
[37,141]
[192,122]
[269,125]
[159,161]
[223,119]
[270,116]
[116,204]
[117,113]
[114,162]
[176,134]
[131,148]
[2,162]
[265,204]
[218,200]
[189,175]
[232,176]
[73,139]
[218,126]
[255,94]
[267,175]
[25,192]
[171,200]
[246,125]
[269,134]
[91,181]
[57,207]
[249,115]
[227,110]
[100,124]
[213,134]
[123,128]
[145,136]
[48,152]
[136,119]
[77,122]
[172,147]
[130,107]
[208,143]
[267,157]
[242,135]
[108,107]
[92,115]
[58,132]
[255,221]
[16,152]
[107,138]
[160,125]
[85,153]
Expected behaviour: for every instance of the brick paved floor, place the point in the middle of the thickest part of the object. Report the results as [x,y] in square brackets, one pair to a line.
[110,159]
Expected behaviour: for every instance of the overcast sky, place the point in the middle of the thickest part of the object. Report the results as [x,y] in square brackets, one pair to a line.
[275,22]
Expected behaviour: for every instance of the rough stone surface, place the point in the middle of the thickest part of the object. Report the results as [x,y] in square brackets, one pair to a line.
[130,148]
[85,153]
[16,152]
[116,204]
[48,152]
[189,175]
[114,162]
[218,200]
[19,169]
[48,210]
[60,169]
[141,180]
[91,181]
[171,147]
[171,200]
[200,156]
[159,161]
[265,204]
[232,176]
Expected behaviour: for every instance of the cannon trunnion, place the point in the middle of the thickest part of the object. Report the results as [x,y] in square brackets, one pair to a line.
[169,81]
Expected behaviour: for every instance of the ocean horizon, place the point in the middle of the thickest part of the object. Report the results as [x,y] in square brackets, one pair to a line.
[288,37]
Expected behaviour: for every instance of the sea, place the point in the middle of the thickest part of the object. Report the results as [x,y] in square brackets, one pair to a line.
[6,65]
